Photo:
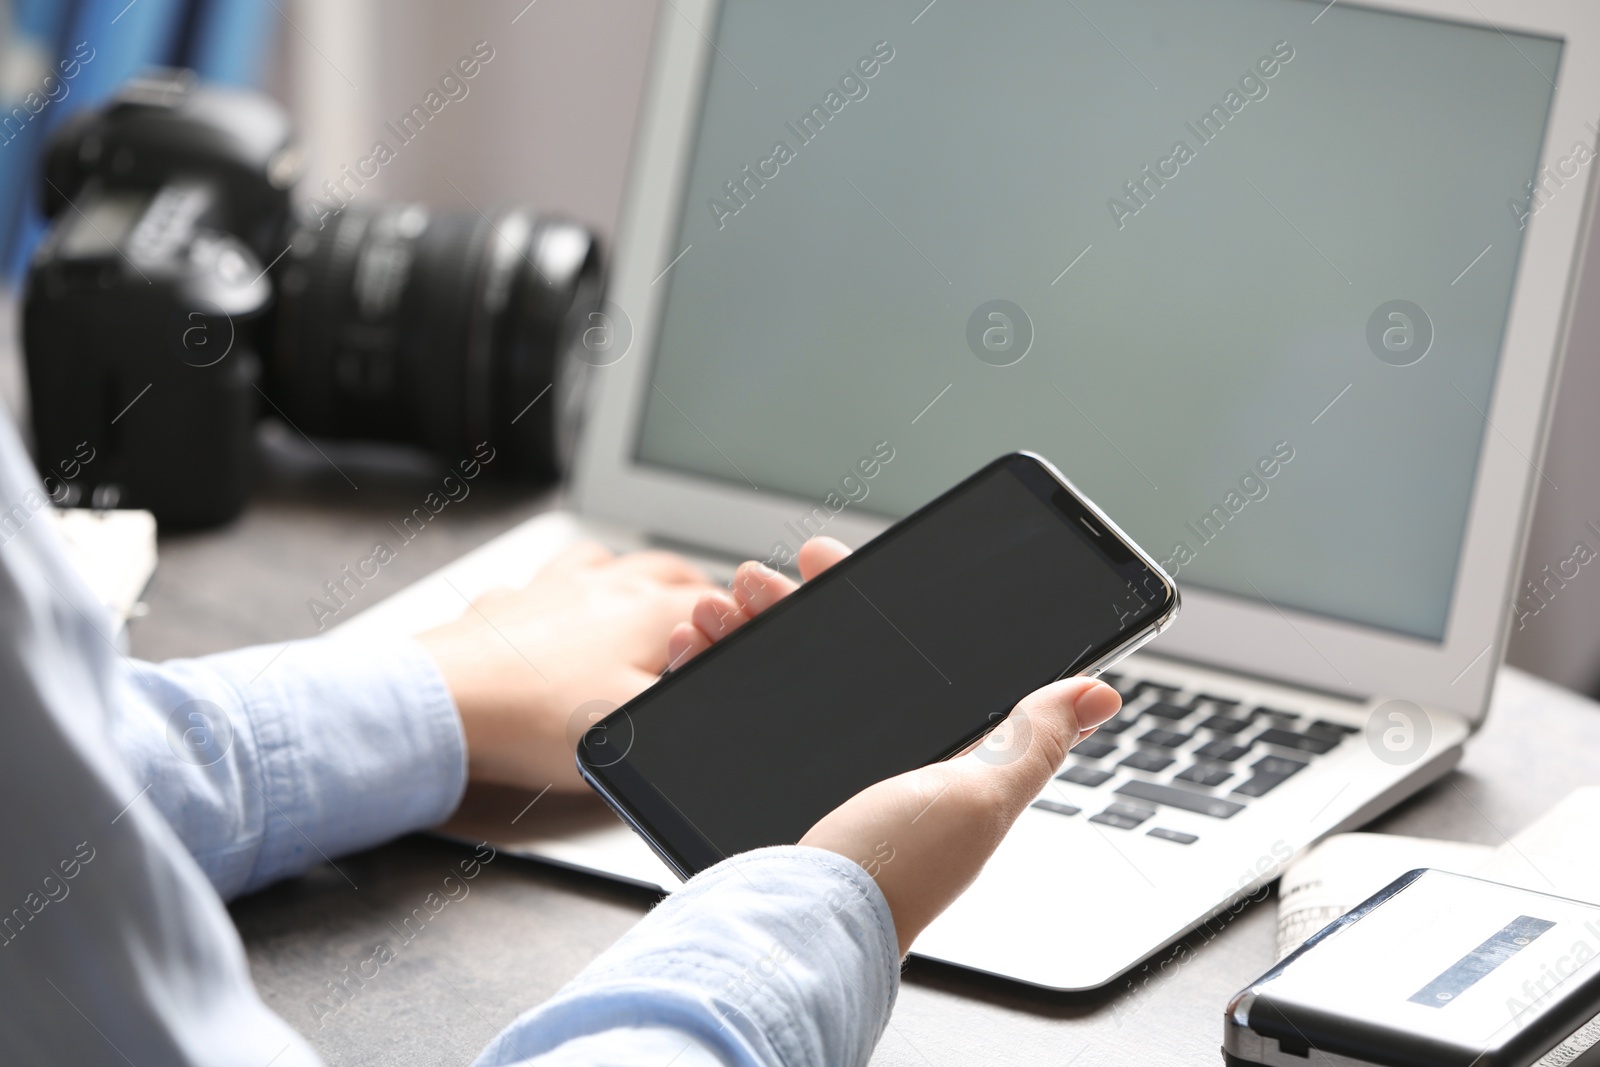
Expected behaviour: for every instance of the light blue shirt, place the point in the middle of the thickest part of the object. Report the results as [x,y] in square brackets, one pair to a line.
[137,796]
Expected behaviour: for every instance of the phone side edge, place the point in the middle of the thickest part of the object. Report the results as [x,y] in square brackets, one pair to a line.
[678,844]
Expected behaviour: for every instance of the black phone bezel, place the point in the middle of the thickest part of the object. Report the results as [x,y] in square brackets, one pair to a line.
[671,833]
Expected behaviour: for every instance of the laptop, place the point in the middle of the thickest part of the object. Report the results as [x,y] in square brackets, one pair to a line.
[1283,285]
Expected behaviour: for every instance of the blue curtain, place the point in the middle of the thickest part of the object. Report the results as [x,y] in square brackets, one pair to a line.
[76,53]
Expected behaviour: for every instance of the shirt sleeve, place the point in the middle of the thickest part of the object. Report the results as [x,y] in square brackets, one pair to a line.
[783,956]
[131,790]
[113,946]
[268,761]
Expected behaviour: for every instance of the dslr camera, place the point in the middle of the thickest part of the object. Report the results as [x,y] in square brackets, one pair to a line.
[176,298]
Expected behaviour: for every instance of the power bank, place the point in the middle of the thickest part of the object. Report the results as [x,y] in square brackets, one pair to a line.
[1434,970]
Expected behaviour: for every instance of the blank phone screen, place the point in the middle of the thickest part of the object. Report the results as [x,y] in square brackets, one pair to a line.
[888,662]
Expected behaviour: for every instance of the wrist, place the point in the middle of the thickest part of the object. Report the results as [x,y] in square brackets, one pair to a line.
[511,736]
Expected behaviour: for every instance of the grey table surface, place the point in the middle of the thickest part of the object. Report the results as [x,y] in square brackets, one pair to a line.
[525,928]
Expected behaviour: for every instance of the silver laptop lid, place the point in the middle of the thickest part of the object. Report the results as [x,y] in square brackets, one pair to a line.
[1282,284]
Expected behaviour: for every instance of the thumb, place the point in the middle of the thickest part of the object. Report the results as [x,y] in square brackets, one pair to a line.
[980,794]
[1021,754]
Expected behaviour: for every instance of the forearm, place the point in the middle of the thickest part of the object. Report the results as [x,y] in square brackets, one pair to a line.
[268,761]
[781,956]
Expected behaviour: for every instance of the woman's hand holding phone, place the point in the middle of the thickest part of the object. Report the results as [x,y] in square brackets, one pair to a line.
[924,835]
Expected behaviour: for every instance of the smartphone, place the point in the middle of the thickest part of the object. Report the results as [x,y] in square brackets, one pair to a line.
[902,655]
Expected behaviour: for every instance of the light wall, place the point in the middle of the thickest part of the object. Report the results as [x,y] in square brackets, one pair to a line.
[1560,639]
[547,122]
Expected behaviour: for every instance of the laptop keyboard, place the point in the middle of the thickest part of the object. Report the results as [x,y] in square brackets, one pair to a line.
[1196,752]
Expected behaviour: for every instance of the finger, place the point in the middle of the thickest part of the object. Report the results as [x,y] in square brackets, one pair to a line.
[679,600]
[581,554]
[684,643]
[1021,754]
[717,614]
[650,645]
[757,587]
[664,567]
[1095,708]
[820,553]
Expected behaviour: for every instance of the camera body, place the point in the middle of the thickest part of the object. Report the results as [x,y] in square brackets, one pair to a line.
[144,302]
[177,297]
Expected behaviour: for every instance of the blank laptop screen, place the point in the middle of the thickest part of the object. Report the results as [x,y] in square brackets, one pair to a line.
[1241,269]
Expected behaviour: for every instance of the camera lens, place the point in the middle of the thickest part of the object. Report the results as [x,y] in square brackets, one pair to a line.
[442,330]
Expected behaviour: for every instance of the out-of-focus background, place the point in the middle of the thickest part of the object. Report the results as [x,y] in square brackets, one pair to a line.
[548,122]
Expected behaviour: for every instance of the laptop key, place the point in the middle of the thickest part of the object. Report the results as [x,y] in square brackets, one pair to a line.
[1089,776]
[1222,724]
[1314,743]
[1094,748]
[1221,703]
[1164,710]
[1278,765]
[1259,784]
[1115,726]
[1165,738]
[1177,837]
[1206,774]
[1281,718]
[1122,816]
[1183,799]
[1147,761]
[1128,687]
[1057,807]
[1268,774]
[1330,729]
[1155,689]
[1222,751]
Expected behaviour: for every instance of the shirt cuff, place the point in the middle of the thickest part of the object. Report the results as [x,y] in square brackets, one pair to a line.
[779,956]
[337,745]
